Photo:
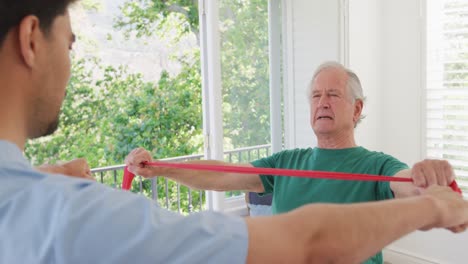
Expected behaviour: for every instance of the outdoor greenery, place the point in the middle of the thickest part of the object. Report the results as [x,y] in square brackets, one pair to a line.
[110,110]
[244,57]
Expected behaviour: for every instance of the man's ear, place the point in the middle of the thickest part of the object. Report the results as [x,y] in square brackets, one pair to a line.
[358,105]
[29,34]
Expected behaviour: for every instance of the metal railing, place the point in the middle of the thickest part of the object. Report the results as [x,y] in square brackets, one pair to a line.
[245,155]
[170,194]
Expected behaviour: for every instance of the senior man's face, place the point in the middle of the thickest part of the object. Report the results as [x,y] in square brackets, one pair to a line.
[331,105]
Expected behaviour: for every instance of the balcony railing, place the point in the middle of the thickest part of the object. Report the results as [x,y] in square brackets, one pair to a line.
[170,194]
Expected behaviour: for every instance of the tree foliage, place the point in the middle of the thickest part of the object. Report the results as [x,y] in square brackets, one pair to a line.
[109,111]
[244,58]
[148,17]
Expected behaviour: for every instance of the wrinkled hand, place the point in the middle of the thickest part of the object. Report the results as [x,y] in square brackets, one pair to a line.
[75,168]
[134,162]
[432,172]
[451,208]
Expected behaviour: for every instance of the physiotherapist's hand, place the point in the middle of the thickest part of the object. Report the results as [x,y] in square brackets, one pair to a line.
[134,162]
[432,172]
[451,210]
[75,168]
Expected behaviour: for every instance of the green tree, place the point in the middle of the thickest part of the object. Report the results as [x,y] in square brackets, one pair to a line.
[244,31]
[108,112]
[245,64]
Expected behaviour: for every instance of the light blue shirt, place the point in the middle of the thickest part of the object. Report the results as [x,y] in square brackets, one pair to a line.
[58,219]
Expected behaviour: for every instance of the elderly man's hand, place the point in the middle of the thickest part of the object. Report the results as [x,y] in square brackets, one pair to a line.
[74,168]
[134,162]
[432,172]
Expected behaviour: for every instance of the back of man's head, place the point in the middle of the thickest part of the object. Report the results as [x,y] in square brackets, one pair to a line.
[13,11]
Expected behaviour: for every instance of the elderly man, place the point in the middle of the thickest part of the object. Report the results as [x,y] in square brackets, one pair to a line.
[336,102]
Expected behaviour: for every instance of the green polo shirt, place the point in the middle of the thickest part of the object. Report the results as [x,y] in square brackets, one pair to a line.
[292,192]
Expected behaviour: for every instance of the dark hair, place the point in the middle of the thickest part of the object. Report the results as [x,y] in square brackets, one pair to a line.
[13,11]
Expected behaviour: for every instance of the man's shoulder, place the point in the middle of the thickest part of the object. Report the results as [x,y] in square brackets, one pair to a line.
[384,160]
[54,188]
[34,191]
[280,159]
[375,154]
[296,151]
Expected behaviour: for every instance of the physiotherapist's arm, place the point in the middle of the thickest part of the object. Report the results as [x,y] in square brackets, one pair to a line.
[101,225]
[323,233]
[424,173]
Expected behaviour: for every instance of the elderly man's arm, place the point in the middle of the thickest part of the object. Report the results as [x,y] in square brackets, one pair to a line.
[324,233]
[75,168]
[424,173]
[196,179]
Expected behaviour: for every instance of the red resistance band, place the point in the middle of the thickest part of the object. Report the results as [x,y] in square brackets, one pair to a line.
[128,176]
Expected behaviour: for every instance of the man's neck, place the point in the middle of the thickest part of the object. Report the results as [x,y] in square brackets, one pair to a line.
[338,141]
[12,115]
[12,131]
[13,106]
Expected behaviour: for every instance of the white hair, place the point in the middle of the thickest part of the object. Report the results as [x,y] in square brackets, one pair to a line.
[353,84]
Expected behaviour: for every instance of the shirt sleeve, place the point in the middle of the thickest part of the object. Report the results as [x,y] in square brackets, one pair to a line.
[390,167]
[268,181]
[102,225]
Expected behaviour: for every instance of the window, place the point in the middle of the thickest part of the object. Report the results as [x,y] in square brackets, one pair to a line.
[135,82]
[245,78]
[447,84]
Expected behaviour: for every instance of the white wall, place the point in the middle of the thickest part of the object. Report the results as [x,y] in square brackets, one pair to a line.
[365,58]
[401,95]
[313,30]
[402,75]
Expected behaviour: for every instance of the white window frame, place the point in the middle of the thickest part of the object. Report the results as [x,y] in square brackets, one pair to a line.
[211,91]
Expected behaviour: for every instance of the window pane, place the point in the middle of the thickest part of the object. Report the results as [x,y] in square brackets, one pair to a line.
[245,78]
[447,84]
